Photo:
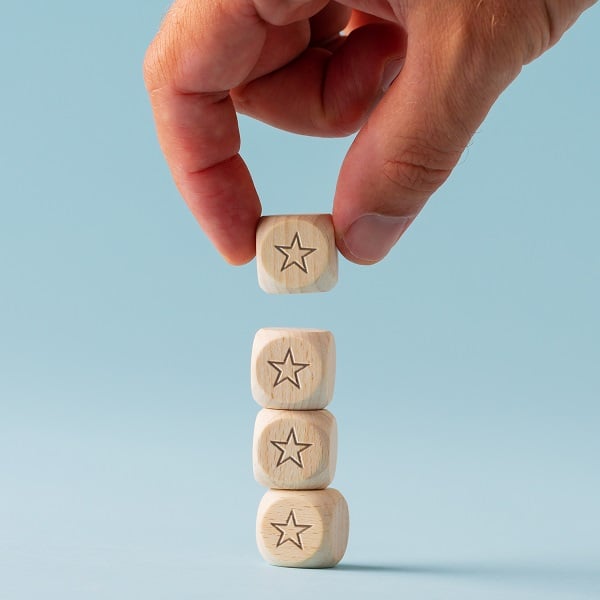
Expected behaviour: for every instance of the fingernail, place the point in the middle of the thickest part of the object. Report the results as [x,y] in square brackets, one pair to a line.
[372,236]
[390,72]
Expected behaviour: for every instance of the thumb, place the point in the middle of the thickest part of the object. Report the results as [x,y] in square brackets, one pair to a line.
[413,140]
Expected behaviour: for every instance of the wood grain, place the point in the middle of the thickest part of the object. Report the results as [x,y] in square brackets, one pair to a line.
[293,369]
[302,528]
[294,450]
[296,254]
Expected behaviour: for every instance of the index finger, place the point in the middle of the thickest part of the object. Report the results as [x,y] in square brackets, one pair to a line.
[202,50]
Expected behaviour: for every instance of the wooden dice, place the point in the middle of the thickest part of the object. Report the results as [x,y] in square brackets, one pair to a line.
[293,369]
[300,523]
[302,529]
[295,450]
[296,254]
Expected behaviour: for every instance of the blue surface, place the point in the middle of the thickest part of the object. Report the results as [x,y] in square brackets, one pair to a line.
[468,382]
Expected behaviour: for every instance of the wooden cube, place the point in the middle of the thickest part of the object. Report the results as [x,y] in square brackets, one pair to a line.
[302,528]
[294,450]
[293,369]
[296,254]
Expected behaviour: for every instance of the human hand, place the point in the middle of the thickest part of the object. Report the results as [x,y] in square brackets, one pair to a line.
[284,62]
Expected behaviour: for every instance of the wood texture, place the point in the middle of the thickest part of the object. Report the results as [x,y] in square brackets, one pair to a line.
[293,369]
[296,254]
[294,450]
[302,528]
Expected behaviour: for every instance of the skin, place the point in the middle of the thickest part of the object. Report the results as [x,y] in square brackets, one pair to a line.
[415,77]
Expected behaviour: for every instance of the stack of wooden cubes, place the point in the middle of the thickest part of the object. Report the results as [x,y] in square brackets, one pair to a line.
[301,522]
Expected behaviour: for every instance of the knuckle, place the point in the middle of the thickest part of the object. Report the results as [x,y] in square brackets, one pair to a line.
[516,33]
[158,64]
[420,169]
[162,60]
[152,66]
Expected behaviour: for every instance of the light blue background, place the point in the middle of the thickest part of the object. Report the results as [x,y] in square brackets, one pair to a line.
[468,392]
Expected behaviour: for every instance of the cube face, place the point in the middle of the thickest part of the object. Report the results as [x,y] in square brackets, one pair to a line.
[296,254]
[302,528]
[295,450]
[293,369]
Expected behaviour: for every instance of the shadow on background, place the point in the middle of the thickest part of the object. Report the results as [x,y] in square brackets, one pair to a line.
[535,574]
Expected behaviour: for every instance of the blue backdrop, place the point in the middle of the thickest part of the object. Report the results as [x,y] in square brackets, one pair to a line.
[468,391]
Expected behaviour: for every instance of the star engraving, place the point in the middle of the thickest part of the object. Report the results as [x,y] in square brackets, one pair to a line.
[290,530]
[291,450]
[295,254]
[287,369]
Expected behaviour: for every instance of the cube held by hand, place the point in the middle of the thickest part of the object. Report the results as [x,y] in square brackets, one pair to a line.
[296,254]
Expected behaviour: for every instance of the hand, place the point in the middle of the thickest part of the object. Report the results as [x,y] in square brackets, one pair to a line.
[284,62]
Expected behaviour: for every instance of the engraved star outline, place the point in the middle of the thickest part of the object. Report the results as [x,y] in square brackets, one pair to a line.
[282,366]
[297,449]
[284,535]
[291,253]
